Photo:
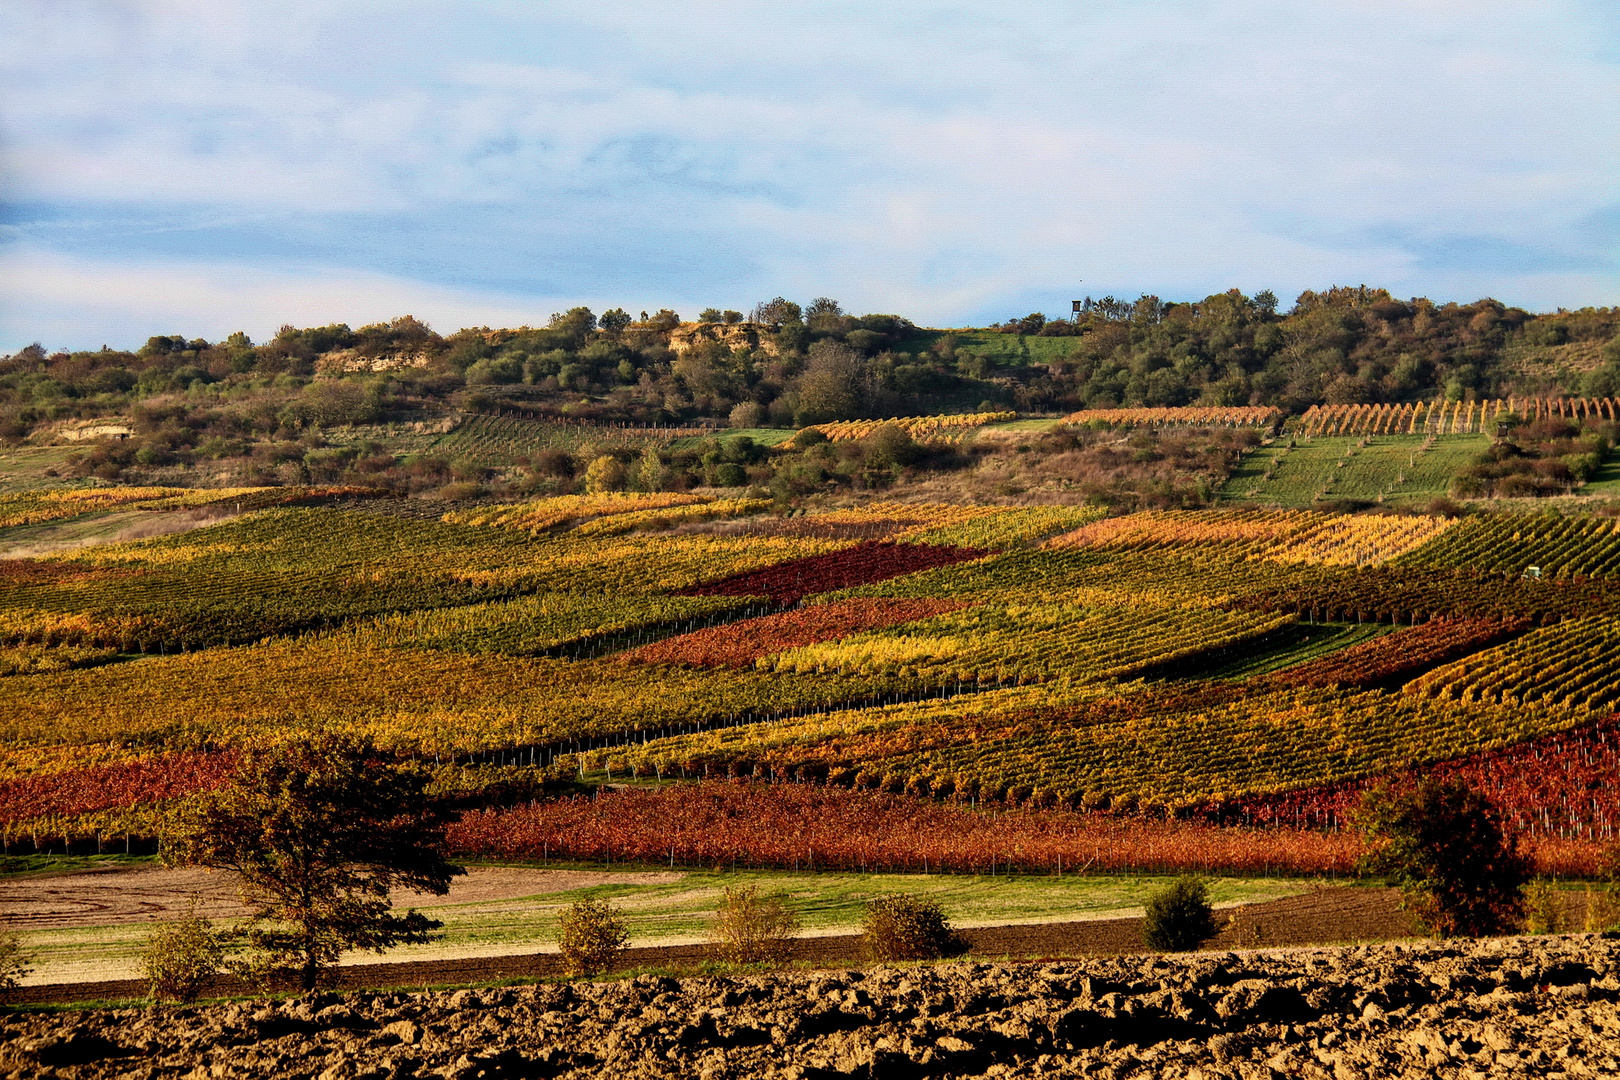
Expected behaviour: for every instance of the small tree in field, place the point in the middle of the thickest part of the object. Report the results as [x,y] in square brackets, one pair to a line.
[318,832]
[593,936]
[1443,843]
[753,929]
[1178,917]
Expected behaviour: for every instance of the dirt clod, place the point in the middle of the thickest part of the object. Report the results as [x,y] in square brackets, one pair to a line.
[1442,1010]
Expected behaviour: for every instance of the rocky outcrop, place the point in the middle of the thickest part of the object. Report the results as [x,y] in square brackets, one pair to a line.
[1521,1006]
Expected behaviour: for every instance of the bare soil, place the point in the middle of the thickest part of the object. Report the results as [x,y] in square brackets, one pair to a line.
[120,896]
[1543,1007]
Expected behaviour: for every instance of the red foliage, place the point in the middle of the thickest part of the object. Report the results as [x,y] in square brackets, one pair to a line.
[1558,791]
[105,787]
[807,826]
[739,644]
[1404,654]
[866,562]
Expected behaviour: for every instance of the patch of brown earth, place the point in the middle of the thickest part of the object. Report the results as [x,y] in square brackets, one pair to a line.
[1517,1006]
[121,896]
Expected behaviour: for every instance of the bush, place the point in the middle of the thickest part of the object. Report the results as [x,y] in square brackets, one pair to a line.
[593,937]
[1543,908]
[1178,916]
[753,929]
[14,964]
[901,927]
[180,958]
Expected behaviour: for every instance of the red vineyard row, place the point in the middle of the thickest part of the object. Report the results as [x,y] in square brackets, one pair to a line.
[810,827]
[1559,787]
[109,787]
[863,564]
[739,644]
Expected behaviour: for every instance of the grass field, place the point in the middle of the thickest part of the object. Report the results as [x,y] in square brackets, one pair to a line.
[1391,469]
[670,909]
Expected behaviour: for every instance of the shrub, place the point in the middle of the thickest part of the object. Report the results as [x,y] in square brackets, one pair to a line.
[180,958]
[1543,908]
[1602,912]
[900,927]
[593,936]
[14,964]
[1178,916]
[753,929]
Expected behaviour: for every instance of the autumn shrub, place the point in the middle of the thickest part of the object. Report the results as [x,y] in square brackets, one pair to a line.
[752,929]
[1178,916]
[593,936]
[900,927]
[14,964]
[180,958]
[1543,908]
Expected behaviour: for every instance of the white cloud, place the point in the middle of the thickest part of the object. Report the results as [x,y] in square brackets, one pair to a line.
[937,158]
[77,303]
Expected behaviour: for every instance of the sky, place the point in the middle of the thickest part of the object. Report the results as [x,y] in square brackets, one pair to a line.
[207,167]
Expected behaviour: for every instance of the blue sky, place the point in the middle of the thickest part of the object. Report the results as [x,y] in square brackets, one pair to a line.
[205,167]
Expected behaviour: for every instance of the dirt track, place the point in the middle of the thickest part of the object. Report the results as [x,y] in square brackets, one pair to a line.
[1542,1007]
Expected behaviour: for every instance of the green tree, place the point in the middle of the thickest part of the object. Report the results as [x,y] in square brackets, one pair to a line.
[614,319]
[317,832]
[651,474]
[1178,917]
[1444,844]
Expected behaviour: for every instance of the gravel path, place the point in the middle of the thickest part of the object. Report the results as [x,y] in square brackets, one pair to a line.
[1542,1007]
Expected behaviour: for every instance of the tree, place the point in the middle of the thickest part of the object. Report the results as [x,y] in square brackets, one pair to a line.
[709,315]
[318,831]
[832,384]
[1444,844]
[731,318]
[753,929]
[614,319]
[824,314]
[777,312]
[651,474]
[603,475]
[1178,917]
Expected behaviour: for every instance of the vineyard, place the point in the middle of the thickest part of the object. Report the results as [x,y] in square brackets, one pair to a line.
[1225,416]
[934,429]
[1040,683]
[1447,417]
[1389,470]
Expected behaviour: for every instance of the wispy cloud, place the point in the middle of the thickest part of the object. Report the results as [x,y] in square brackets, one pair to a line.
[950,160]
